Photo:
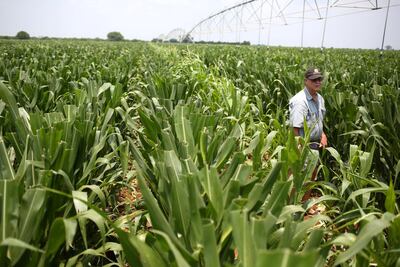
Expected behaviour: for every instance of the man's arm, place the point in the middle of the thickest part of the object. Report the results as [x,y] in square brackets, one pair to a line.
[296,131]
[324,140]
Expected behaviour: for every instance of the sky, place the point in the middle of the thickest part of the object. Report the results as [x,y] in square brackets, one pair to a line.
[148,19]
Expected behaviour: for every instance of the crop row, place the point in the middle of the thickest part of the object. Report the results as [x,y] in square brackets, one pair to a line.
[203,130]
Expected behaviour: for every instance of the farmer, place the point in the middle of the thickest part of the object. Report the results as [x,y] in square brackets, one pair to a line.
[309,105]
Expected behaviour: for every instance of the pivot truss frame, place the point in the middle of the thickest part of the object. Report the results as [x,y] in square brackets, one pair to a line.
[262,14]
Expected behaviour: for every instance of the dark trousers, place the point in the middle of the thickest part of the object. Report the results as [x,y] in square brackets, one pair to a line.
[315,145]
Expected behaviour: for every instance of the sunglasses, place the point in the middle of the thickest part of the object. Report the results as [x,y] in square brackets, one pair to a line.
[316,80]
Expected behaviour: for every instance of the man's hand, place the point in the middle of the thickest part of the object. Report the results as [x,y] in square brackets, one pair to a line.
[296,131]
[324,140]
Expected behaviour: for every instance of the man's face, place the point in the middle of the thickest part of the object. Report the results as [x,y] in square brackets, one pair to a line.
[314,85]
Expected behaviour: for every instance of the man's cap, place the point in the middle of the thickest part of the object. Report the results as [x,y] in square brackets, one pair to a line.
[313,73]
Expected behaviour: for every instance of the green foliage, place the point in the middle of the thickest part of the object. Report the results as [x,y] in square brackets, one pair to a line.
[203,131]
[115,36]
[22,35]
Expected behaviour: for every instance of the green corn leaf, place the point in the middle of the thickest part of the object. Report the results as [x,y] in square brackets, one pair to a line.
[224,152]
[158,219]
[254,142]
[103,88]
[237,131]
[9,99]
[30,216]
[141,161]
[24,165]
[168,140]
[337,157]
[269,139]
[67,180]
[151,126]
[286,258]
[196,203]
[242,173]
[183,129]
[243,238]
[212,186]
[124,156]
[366,162]
[314,241]
[138,253]
[390,201]
[397,169]
[80,201]
[80,205]
[13,242]
[2,106]
[203,145]
[258,152]
[394,233]
[275,238]
[278,198]
[234,169]
[365,191]
[107,118]
[70,231]
[100,252]
[172,161]
[289,230]
[96,192]
[345,239]
[213,147]
[95,217]
[132,253]
[71,112]
[261,229]
[14,141]
[288,211]
[304,227]
[210,249]
[230,191]
[181,261]
[353,152]
[179,193]
[311,162]
[260,191]
[61,231]
[6,169]
[369,231]
[98,146]
[9,208]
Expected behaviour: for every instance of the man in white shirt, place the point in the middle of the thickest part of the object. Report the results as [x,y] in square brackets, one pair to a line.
[309,105]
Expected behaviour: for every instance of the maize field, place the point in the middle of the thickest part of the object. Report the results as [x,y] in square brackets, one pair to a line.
[140,154]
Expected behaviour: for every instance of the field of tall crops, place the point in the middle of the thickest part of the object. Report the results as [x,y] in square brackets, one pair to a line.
[139,154]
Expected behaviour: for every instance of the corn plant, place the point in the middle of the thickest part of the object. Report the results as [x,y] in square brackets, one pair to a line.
[203,130]
[55,152]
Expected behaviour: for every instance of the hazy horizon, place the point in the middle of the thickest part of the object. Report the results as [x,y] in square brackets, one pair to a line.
[146,20]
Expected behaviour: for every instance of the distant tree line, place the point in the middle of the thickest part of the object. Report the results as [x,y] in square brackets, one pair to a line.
[189,39]
[173,40]
[111,36]
[20,35]
[117,36]
[218,42]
